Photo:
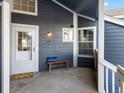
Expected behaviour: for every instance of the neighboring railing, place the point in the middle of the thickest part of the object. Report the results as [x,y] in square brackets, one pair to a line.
[115,69]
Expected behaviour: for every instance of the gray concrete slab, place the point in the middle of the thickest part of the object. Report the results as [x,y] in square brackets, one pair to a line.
[75,80]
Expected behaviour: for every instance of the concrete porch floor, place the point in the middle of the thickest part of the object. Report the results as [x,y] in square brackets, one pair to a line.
[76,80]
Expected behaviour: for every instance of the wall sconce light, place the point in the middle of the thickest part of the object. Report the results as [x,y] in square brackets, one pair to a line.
[49,36]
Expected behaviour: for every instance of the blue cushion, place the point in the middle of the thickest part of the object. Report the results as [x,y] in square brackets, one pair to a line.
[51,59]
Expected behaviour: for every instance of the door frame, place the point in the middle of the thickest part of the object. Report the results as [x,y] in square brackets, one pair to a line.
[36,63]
[94,40]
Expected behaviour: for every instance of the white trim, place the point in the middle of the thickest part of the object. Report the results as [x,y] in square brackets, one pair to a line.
[83,16]
[25,12]
[107,91]
[113,82]
[72,29]
[119,16]
[94,40]
[75,44]
[86,17]
[114,20]
[85,56]
[107,65]
[101,46]
[36,41]
[6,46]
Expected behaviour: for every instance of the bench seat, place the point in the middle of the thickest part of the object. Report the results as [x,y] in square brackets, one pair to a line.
[50,63]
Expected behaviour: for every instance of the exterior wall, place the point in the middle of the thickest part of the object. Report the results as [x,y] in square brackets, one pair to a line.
[86,23]
[51,18]
[114,43]
[114,47]
[83,61]
[0,47]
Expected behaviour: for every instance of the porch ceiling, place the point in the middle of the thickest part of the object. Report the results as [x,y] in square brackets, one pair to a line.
[84,7]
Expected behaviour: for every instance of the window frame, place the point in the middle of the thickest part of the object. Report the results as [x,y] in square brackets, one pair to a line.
[25,12]
[63,30]
[94,41]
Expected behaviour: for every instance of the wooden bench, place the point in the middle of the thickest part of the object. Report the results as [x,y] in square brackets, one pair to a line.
[65,62]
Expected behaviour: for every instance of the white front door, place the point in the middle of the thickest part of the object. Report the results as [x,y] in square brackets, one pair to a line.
[23,49]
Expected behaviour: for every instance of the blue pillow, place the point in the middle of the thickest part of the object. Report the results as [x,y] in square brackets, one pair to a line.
[51,59]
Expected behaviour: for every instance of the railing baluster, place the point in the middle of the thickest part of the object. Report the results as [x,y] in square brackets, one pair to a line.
[115,69]
[121,85]
[106,80]
[113,82]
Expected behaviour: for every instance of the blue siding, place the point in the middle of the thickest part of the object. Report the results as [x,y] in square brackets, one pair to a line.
[86,23]
[114,43]
[114,47]
[51,18]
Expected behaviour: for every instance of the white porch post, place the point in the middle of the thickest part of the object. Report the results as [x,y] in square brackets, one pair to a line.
[101,46]
[75,44]
[5,46]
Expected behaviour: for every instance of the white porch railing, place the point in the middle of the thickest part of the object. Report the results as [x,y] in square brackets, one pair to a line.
[115,69]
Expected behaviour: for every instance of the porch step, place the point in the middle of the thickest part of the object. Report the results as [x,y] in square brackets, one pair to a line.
[22,76]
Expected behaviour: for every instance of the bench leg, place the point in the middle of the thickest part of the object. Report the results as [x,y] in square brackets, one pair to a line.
[50,67]
[67,65]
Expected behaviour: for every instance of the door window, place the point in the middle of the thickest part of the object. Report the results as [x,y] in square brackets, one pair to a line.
[24,46]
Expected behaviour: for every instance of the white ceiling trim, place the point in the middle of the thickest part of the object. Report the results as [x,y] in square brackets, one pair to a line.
[114,20]
[83,16]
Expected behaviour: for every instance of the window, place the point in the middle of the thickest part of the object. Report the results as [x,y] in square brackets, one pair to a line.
[24,41]
[86,42]
[24,46]
[25,6]
[67,34]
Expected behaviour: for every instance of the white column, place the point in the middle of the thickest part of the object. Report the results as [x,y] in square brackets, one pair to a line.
[5,46]
[75,42]
[101,46]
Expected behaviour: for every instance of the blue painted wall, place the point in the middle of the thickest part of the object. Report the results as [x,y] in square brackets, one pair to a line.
[86,23]
[114,47]
[114,43]
[51,18]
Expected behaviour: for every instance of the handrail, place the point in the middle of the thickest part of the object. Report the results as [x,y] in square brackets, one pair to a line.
[112,67]
[121,70]
[108,65]
[115,69]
